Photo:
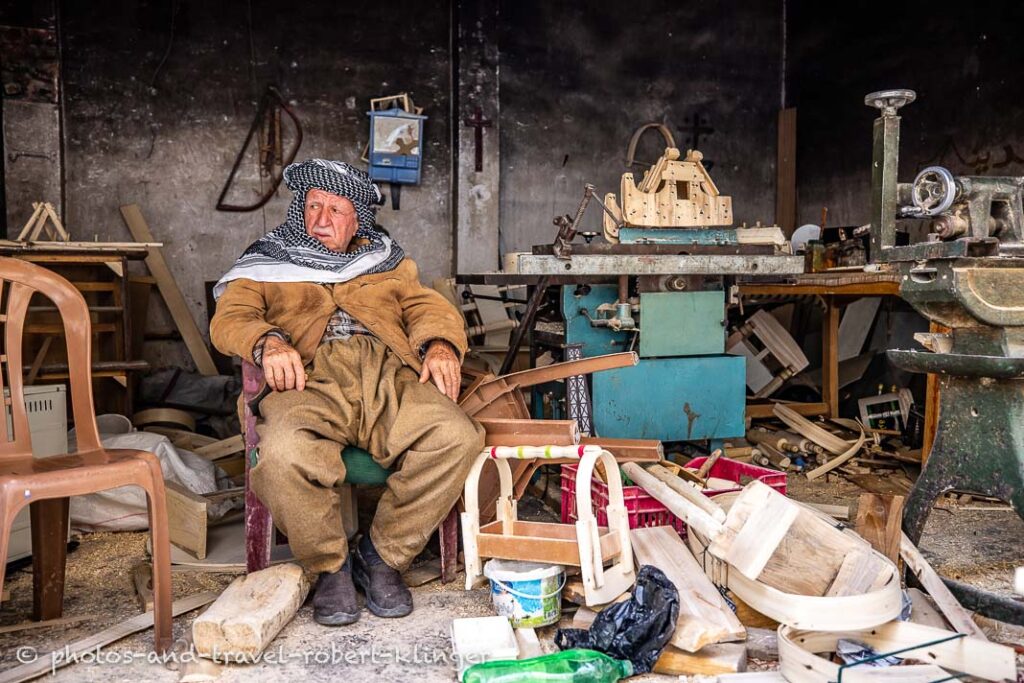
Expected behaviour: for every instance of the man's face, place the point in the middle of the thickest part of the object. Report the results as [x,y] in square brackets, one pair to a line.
[330,219]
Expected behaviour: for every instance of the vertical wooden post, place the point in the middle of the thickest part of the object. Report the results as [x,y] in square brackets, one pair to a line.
[879,522]
[931,402]
[785,169]
[830,357]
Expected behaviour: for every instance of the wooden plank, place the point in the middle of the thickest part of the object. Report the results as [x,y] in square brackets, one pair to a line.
[518,432]
[47,623]
[808,429]
[744,677]
[222,448]
[624,450]
[755,527]
[810,557]
[859,572]
[830,357]
[186,519]
[879,520]
[529,644]
[423,573]
[835,511]
[785,171]
[724,658]
[687,491]
[557,371]
[40,245]
[957,616]
[250,613]
[931,401]
[62,656]
[172,295]
[694,516]
[704,617]
[182,438]
[924,611]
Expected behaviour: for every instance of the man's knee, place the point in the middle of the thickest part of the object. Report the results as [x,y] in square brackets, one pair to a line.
[277,458]
[466,438]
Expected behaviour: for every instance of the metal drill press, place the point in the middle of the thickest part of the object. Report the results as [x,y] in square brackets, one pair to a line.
[968,275]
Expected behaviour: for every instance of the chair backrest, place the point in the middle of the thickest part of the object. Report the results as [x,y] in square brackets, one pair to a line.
[19,280]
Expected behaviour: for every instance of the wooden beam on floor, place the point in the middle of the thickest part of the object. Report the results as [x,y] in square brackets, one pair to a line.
[704,618]
[65,655]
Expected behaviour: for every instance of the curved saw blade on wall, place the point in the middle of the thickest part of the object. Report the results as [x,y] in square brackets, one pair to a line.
[264,148]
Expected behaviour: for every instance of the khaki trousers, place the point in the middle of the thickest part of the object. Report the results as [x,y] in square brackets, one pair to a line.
[359,393]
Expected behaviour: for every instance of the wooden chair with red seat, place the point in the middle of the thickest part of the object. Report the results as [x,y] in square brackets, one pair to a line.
[45,484]
[360,469]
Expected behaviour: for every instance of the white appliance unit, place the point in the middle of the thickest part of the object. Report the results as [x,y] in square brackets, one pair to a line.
[48,424]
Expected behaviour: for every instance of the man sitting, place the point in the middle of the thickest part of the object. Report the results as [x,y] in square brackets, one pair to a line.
[358,353]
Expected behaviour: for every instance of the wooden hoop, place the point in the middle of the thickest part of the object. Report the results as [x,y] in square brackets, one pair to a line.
[972,656]
[810,612]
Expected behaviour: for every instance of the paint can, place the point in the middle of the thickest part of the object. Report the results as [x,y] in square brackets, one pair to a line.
[529,594]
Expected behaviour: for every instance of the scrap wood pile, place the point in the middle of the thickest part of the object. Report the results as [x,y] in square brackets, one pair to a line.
[758,576]
[839,446]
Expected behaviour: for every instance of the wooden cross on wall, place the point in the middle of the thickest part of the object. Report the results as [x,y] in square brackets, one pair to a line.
[695,127]
[478,122]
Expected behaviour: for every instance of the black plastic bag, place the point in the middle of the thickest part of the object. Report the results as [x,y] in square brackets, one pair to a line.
[636,629]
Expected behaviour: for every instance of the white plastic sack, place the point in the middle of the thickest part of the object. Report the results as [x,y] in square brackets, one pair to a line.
[124,508]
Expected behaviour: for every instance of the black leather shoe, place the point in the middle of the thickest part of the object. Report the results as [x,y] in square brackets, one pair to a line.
[386,594]
[335,602]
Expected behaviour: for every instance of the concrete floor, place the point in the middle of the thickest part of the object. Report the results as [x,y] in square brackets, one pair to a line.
[978,546]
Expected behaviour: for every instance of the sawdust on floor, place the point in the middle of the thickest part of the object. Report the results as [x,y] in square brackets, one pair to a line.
[977,546]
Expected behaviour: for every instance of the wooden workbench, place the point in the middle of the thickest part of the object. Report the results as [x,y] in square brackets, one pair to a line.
[836,290]
[99,271]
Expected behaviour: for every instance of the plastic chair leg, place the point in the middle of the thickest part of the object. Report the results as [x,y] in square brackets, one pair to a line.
[6,519]
[163,636]
[49,556]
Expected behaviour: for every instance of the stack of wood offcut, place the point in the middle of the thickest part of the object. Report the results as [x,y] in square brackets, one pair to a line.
[762,577]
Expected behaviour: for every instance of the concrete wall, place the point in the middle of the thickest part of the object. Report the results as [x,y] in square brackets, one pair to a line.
[578,79]
[964,61]
[157,107]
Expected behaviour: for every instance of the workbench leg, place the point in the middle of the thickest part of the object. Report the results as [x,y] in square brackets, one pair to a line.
[830,357]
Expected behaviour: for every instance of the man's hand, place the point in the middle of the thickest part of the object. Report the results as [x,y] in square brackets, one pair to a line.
[441,364]
[282,365]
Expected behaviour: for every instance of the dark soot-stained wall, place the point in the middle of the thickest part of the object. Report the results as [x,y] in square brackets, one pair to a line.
[158,120]
[965,61]
[578,78]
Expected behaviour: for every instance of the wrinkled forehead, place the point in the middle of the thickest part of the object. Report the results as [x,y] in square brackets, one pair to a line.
[324,197]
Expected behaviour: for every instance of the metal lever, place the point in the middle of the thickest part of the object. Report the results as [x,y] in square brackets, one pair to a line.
[562,248]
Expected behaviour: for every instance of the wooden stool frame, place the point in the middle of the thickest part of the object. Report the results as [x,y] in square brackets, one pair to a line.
[588,547]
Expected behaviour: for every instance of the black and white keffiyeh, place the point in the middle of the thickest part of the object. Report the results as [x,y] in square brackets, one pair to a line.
[288,254]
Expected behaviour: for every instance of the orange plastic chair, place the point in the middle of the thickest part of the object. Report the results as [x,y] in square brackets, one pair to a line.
[45,484]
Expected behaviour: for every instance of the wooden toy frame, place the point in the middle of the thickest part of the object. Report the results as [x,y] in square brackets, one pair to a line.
[588,547]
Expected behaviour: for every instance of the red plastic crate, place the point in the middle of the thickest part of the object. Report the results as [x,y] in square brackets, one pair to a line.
[643,510]
[741,473]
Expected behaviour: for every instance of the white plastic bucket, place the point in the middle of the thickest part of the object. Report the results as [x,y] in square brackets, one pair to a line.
[529,594]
